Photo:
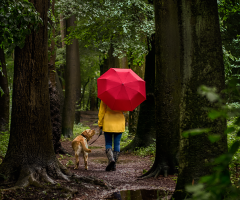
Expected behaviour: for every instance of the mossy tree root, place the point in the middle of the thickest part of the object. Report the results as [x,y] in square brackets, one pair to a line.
[25,175]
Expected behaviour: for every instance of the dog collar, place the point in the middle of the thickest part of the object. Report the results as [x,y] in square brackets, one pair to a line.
[85,137]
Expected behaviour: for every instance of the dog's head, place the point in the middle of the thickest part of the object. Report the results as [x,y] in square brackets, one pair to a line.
[88,133]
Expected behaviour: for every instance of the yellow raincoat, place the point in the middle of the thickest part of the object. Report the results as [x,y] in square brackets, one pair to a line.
[111,120]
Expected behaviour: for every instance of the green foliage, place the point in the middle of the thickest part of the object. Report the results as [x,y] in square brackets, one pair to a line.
[125,24]
[147,151]
[4,139]
[18,18]
[229,13]
[70,162]
[126,138]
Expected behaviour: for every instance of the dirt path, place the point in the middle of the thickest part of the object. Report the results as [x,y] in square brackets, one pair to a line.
[129,168]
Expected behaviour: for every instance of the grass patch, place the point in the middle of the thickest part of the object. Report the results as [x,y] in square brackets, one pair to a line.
[77,130]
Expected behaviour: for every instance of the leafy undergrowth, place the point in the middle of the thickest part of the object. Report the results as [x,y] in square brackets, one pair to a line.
[126,138]
[235,163]
[4,139]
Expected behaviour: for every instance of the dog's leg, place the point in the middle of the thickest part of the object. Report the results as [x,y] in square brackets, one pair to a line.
[85,157]
[77,152]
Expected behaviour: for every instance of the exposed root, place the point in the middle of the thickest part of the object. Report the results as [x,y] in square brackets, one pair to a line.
[155,171]
[65,189]
[147,173]
[64,169]
[92,180]
[46,178]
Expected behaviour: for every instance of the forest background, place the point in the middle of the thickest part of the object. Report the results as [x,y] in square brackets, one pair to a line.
[86,39]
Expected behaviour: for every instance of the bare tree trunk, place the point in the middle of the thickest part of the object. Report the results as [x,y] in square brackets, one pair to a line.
[72,81]
[202,64]
[4,98]
[146,129]
[30,155]
[54,95]
[168,85]
[92,95]
[62,29]
[133,115]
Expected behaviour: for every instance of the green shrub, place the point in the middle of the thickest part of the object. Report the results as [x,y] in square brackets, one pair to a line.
[126,138]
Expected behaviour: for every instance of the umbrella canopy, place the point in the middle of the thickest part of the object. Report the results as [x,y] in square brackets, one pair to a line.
[121,89]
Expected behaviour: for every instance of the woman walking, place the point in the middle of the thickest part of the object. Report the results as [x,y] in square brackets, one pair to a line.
[112,123]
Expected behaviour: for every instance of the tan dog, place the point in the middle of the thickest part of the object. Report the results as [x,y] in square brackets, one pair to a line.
[79,144]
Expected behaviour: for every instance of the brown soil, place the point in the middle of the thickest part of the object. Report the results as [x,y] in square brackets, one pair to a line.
[129,168]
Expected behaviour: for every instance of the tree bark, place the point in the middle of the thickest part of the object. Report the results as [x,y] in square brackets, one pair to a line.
[61,95]
[30,155]
[51,63]
[4,98]
[202,64]
[134,115]
[54,95]
[168,86]
[146,129]
[62,29]
[92,95]
[72,82]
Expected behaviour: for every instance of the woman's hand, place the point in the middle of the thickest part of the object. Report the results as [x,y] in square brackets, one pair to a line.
[100,130]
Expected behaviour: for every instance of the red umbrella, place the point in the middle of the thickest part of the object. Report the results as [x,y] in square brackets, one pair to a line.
[121,89]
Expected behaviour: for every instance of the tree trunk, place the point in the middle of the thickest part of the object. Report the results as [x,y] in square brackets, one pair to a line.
[62,29]
[168,86]
[61,95]
[92,95]
[51,63]
[72,82]
[146,129]
[54,95]
[202,64]
[4,98]
[134,115]
[30,155]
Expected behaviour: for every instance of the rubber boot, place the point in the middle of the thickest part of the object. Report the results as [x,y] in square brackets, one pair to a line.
[111,160]
[115,156]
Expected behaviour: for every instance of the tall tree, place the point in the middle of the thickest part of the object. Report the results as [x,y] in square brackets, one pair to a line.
[4,94]
[146,121]
[30,153]
[72,81]
[16,17]
[54,91]
[168,85]
[139,69]
[202,64]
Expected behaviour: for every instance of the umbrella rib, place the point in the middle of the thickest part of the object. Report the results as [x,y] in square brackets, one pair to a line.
[109,89]
[128,96]
[132,89]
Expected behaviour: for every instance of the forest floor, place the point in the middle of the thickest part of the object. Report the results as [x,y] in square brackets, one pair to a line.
[125,178]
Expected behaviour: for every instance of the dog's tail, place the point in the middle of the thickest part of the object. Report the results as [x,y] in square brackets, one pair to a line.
[84,147]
